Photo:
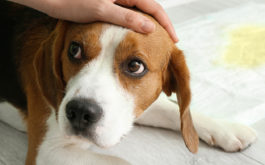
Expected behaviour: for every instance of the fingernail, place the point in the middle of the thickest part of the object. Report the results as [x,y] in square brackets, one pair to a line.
[176,40]
[148,26]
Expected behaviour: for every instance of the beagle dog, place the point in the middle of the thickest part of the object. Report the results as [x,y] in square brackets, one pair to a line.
[77,85]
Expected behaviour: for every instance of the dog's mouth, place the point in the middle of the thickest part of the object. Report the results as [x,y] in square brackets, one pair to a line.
[93,139]
[101,134]
[97,140]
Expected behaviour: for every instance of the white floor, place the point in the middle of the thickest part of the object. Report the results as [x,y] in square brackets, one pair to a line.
[148,146]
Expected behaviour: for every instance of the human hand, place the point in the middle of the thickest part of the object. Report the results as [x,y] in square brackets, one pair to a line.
[85,11]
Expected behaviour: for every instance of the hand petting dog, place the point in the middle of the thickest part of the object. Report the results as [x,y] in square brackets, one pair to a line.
[112,11]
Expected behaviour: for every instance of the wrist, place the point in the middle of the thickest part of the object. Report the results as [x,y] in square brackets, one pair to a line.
[50,7]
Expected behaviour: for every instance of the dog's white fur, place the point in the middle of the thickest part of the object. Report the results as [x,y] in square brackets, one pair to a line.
[97,81]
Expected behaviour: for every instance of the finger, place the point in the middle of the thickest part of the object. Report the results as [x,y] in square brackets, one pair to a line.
[153,8]
[121,16]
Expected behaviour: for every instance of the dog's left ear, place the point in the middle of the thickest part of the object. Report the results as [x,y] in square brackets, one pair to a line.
[176,79]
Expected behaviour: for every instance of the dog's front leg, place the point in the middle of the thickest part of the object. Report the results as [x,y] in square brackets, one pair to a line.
[162,113]
[229,136]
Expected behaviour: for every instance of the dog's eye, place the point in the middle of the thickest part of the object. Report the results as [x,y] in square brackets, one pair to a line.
[135,68]
[75,51]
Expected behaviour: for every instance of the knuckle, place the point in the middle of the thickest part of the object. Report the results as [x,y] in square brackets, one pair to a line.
[130,18]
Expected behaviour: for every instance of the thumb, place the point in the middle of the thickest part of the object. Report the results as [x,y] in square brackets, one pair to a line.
[127,18]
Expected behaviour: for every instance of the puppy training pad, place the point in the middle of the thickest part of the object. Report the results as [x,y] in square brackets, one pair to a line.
[225,52]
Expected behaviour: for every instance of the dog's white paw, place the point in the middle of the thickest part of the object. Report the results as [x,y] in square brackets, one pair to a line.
[231,137]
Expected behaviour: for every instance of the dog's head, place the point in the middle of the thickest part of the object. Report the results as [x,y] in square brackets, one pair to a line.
[99,77]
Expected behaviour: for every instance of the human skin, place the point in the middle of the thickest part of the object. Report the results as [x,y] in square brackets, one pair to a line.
[112,11]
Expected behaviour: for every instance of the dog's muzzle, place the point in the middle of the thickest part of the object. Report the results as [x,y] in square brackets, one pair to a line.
[82,114]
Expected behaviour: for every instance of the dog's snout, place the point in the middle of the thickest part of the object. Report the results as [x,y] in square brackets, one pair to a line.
[82,113]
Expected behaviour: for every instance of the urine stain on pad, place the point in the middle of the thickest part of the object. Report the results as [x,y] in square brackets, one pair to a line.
[246,47]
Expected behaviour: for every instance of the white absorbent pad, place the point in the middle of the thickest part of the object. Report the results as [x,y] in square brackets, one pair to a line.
[225,52]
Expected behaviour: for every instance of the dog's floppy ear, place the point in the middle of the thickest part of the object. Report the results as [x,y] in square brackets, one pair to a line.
[176,79]
[47,65]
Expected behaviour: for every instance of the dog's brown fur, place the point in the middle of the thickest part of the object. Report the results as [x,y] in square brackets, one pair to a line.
[39,72]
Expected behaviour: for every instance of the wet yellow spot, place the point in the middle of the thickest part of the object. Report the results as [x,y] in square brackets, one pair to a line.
[246,47]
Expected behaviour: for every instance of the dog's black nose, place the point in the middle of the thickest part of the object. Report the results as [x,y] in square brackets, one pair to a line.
[82,113]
